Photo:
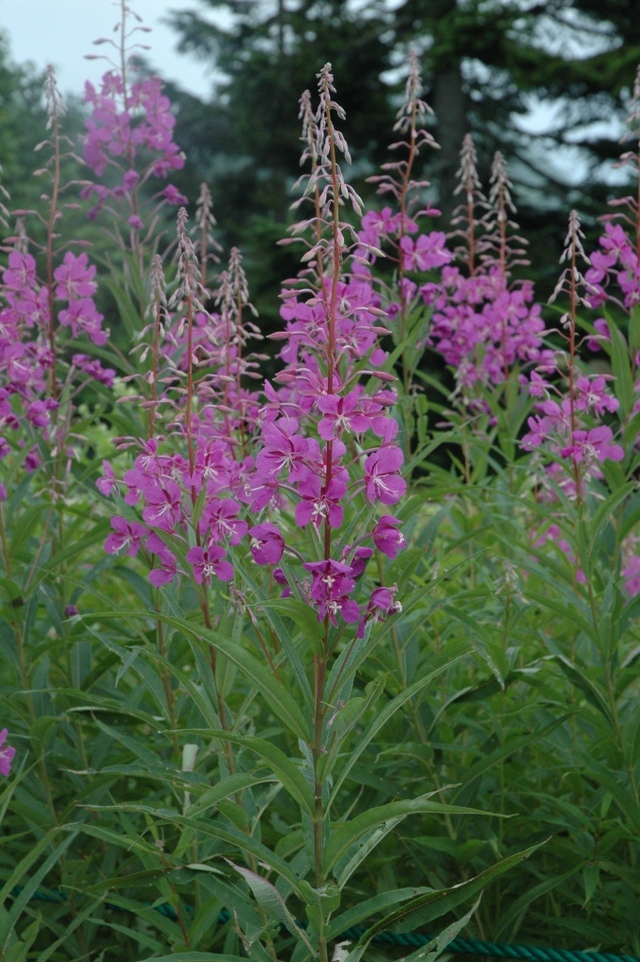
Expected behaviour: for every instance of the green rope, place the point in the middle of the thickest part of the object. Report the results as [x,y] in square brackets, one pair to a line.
[502,950]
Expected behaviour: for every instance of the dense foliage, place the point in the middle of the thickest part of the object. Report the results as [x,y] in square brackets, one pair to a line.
[344,646]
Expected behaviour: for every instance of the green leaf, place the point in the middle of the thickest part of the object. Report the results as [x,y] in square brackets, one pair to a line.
[441,942]
[228,834]
[516,910]
[302,615]
[607,779]
[99,530]
[30,883]
[370,907]
[273,691]
[513,745]
[432,905]
[226,787]
[621,368]
[11,593]
[343,840]
[286,771]
[195,957]
[270,900]
[595,696]
[634,329]
[380,721]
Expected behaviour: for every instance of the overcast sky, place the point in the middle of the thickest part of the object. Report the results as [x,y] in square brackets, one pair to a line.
[62,32]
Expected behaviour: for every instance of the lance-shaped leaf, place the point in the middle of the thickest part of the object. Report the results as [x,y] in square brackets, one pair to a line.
[343,842]
[432,905]
[269,899]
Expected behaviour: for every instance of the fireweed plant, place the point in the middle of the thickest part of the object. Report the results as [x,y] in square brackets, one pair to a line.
[249,627]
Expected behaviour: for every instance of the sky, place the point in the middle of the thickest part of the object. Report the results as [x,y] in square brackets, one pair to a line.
[62,32]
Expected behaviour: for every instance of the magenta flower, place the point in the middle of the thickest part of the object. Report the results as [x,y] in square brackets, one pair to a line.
[267,545]
[126,534]
[340,413]
[6,754]
[602,335]
[427,252]
[386,538]
[382,480]
[21,273]
[75,277]
[167,566]
[94,369]
[380,604]
[593,445]
[173,196]
[592,394]
[32,461]
[82,317]
[38,414]
[332,583]
[316,505]
[163,509]
[208,562]
[221,518]
[113,132]
[538,432]
[359,559]
[284,449]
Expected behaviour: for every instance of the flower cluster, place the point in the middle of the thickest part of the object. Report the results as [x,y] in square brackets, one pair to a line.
[616,263]
[568,428]
[28,335]
[564,429]
[188,486]
[484,325]
[328,436]
[129,124]
[322,444]
[165,490]
[6,754]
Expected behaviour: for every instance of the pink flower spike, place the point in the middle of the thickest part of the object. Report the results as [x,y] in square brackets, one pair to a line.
[6,754]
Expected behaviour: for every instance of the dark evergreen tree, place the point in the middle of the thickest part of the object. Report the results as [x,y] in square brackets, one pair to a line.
[22,125]
[484,63]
